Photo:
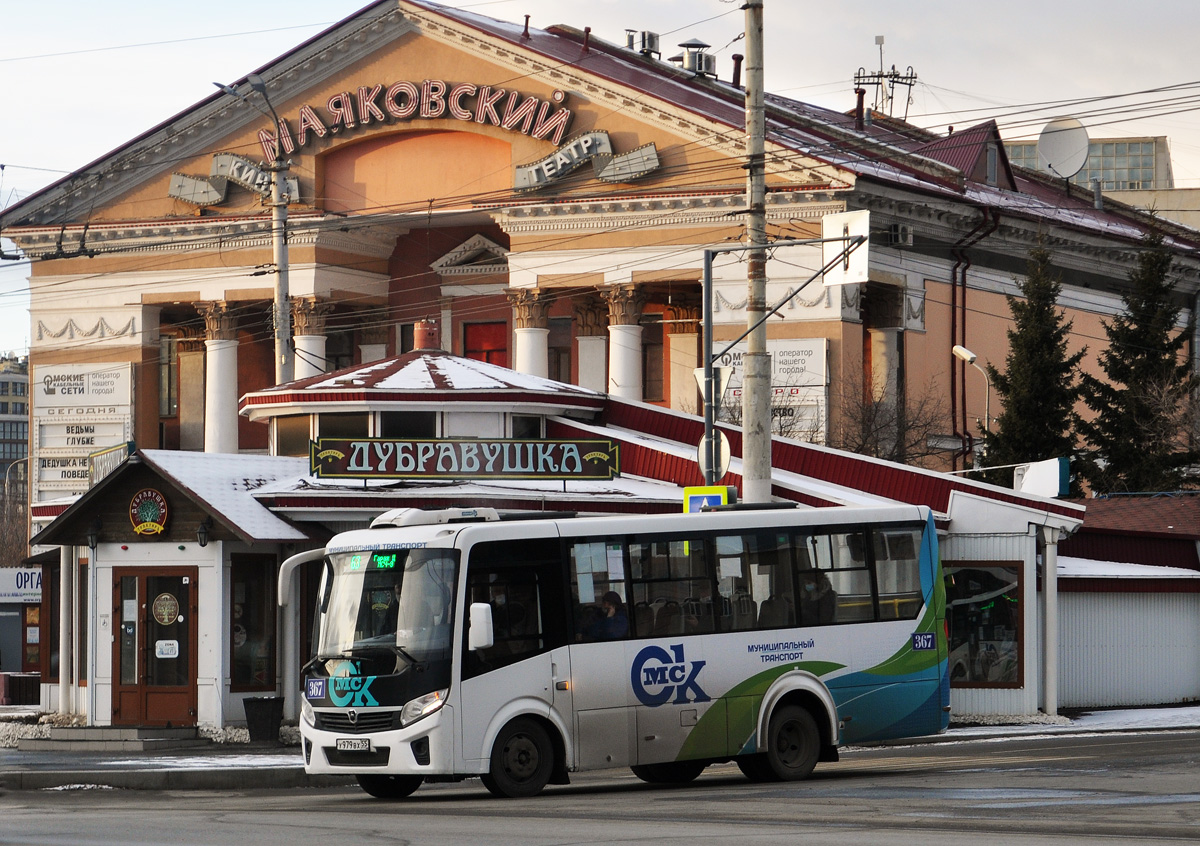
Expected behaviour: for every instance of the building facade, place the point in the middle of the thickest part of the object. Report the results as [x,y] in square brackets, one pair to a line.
[545,198]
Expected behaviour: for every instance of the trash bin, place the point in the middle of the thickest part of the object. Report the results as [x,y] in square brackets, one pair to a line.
[263,716]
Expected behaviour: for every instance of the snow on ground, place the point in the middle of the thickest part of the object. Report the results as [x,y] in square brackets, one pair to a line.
[1131,719]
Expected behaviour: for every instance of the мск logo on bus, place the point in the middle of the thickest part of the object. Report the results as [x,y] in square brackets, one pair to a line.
[657,675]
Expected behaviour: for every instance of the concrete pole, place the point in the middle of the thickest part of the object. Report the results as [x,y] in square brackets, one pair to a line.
[284,363]
[756,382]
[1050,620]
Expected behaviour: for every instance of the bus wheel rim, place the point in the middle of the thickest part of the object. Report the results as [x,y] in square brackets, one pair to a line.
[521,757]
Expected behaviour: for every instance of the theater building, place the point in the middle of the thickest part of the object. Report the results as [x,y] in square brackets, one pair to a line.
[544,197]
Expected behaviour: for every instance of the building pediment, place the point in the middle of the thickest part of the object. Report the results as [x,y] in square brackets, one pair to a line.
[474,257]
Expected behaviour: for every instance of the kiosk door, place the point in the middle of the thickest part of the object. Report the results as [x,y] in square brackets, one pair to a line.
[154,652]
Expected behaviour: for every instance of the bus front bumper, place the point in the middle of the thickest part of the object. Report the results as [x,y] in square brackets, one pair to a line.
[425,748]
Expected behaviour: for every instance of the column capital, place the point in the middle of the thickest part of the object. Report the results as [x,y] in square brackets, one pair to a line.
[190,339]
[591,317]
[531,307]
[624,304]
[308,315]
[682,315]
[219,323]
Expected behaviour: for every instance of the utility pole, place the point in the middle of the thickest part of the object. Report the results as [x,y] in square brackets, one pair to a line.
[282,309]
[756,381]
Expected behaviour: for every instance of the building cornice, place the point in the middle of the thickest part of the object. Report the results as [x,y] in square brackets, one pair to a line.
[375,239]
[663,211]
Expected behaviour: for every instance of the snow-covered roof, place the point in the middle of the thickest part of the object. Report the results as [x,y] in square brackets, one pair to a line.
[425,376]
[225,483]
[1085,568]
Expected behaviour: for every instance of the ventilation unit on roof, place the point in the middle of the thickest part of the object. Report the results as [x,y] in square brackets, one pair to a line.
[696,60]
[900,235]
[645,42]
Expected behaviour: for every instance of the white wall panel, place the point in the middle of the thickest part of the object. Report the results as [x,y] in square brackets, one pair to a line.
[1127,649]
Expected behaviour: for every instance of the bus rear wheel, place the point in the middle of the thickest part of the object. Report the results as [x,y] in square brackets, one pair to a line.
[793,743]
[671,772]
[756,767]
[522,761]
[389,786]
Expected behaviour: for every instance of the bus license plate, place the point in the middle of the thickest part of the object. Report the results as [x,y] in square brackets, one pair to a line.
[354,744]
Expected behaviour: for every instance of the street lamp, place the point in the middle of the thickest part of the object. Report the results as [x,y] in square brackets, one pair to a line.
[284,365]
[961,352]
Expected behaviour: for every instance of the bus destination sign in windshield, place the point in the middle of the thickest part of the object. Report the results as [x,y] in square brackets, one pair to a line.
[465,458]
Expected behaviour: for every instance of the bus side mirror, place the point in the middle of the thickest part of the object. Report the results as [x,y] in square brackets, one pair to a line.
[479,636]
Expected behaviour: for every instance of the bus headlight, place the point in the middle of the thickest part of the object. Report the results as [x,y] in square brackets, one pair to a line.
[422,706]
[306,712]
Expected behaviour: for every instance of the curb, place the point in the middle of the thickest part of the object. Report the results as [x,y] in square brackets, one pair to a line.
[234,778]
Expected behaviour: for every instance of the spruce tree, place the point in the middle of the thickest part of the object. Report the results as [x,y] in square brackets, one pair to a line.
[1138,436]
[1038,389]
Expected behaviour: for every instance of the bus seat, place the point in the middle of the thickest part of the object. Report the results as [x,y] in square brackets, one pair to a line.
[643,619]
[669,619]
[774,613]
[745,612]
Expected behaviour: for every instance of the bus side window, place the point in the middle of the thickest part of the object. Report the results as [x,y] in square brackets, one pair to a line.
[897,572]
[841,561]
[671,588]
[598,590]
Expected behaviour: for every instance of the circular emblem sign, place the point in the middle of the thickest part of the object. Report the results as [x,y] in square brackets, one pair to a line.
[165,609]
[148,512]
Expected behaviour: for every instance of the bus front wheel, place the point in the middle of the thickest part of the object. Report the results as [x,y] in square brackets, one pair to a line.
[522,760]
[671,772]
[389,786]
[793,743]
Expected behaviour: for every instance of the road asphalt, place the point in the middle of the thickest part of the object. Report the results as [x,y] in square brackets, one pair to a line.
[244,766]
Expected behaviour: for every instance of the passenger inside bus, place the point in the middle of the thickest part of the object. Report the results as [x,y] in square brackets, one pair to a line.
[818,600]
[613,622]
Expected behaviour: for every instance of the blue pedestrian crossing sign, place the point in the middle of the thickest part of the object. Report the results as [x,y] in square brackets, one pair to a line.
[697,497]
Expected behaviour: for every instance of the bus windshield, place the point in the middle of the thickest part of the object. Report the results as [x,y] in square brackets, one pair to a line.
[393,601]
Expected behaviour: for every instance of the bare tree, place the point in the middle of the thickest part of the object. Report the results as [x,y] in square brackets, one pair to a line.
[881,427]
[875,425]
[14,518]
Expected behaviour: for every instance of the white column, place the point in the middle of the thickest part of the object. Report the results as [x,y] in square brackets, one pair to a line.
[593,358]
[66,585]
[624,303]
[532,354]
[220,397]
[1050,620]
[625,362]
[310,355]
[308,318]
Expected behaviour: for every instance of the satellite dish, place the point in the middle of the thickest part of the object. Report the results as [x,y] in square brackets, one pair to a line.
[1062,147]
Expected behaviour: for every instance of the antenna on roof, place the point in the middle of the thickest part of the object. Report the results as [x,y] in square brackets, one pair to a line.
[1062,147]
[885,82]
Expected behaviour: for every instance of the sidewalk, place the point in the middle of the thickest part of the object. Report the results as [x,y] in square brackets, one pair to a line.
[240,766]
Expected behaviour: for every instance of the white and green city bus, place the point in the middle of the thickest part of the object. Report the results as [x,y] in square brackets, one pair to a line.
[459,643]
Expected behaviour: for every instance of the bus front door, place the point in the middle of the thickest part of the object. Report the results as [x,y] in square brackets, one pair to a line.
[528,667]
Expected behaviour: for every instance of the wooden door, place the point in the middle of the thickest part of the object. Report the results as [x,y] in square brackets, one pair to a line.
[154,652]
